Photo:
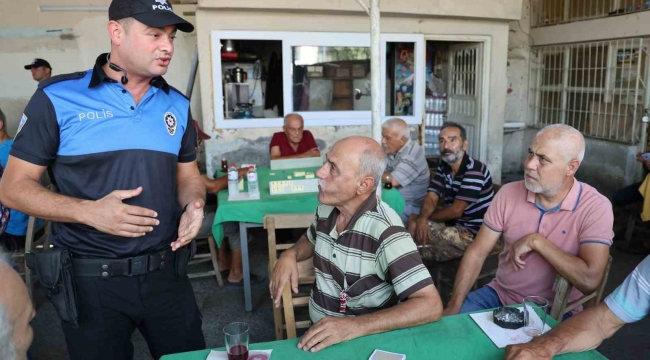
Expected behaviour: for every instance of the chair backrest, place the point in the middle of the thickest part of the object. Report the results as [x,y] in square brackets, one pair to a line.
[562,288]
[305,271]
[286,221]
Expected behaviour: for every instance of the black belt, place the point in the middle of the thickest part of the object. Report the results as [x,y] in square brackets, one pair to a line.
[133,266]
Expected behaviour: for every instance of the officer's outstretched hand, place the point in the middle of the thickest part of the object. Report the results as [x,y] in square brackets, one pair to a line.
[110,215]
[190,224]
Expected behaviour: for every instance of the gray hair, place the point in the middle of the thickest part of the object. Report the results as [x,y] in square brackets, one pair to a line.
[569,137]
[294,114]
[397,122]
[7,351]
[372,162]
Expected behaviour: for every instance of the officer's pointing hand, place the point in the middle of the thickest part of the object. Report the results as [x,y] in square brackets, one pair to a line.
[110,215]
[190,224]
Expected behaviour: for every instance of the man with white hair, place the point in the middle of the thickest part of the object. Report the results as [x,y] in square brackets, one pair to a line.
[16,312]
[551,224]
[407,169]
[369,275]
[294,141]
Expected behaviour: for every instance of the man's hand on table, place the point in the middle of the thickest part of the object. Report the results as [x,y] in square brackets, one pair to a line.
[327,332]
[450,310]
[312,153]
[530,351]
[286,270]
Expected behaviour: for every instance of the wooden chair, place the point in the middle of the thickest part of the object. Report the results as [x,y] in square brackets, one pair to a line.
[205,257]
[305,270]
[562,288]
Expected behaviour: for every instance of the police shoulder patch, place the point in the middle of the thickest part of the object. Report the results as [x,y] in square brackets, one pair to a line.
[63,77]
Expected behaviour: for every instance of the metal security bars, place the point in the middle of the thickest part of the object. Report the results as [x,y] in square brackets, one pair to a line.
[553,12]
[600,88]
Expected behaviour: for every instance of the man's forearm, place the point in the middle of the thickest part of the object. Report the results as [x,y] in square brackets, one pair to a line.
[470,267]
[572,268]
[31,198]
[191,189]
[585,331]
[429,206]
[444,215]
[303,249]
[412,312]
[215,185]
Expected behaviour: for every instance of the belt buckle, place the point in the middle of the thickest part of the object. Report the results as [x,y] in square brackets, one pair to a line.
[139,265]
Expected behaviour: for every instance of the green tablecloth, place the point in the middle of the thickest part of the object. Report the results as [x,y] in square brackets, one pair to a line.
[454,338]
[254,211]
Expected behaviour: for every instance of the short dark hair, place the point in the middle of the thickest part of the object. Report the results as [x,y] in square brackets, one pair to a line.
[449,124]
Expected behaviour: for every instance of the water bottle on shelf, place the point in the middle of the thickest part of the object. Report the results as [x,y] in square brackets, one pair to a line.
[253,188]
[233,180]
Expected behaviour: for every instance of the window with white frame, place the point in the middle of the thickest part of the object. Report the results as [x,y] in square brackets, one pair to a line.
[261,76]
[600,88]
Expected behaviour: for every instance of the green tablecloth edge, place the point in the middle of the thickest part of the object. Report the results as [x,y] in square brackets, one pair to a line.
[202,354]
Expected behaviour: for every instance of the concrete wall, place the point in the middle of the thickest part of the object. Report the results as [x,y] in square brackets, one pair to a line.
[607,165]
[251,145]
[27,33]
[485,9]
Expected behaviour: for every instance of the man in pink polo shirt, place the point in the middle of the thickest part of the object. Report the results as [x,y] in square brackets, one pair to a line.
[551,223]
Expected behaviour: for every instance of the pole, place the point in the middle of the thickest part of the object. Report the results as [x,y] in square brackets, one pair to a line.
[375,73]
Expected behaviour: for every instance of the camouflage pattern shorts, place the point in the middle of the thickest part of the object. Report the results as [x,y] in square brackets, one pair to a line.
[449,242]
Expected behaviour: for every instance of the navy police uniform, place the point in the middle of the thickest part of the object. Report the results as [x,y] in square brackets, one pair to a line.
[88,130]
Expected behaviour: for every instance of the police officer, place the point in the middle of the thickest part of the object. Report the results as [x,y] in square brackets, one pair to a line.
[119,142]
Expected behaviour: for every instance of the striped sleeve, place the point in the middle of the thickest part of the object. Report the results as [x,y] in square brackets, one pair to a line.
[471,186]
[398,259]
[437,184]
[407,169]
[630,302]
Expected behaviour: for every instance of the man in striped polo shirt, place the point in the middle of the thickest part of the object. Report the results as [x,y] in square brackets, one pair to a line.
[407,168]
[465,185]
[369,275]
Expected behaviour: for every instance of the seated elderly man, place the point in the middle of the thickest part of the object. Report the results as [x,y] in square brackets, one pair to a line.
[294,141]
[629,303]
[369,277]
[465,184]
[16,313]
[407,168]
[551,224]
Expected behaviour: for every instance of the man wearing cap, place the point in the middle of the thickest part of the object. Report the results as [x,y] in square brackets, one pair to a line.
[120,145]
[41,69]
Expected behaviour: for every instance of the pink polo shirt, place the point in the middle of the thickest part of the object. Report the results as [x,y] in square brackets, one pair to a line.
[584,216]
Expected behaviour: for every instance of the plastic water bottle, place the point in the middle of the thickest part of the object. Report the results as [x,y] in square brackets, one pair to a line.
[253,187]
[233,180]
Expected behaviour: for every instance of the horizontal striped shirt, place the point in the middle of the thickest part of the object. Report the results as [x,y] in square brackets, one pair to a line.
[374,259]
[409,167]
[630,302]
[472,184]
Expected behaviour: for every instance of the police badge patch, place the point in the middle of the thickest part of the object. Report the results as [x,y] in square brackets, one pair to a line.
[170,122]
[23,120]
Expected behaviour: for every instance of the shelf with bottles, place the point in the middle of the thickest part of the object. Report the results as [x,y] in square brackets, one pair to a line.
[431,146]
[436,103]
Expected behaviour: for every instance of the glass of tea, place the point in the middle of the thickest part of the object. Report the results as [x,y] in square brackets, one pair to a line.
[236,340]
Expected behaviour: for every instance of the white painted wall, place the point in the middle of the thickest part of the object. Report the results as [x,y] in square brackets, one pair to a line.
[252,145]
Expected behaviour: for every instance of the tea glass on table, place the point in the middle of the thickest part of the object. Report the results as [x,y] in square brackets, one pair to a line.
[539,305]
[236,340]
